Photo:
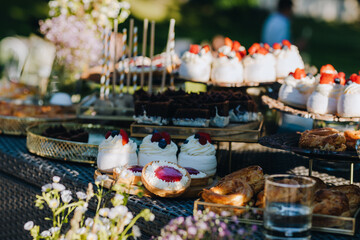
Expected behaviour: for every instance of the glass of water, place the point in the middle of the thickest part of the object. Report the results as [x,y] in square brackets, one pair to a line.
[288,206]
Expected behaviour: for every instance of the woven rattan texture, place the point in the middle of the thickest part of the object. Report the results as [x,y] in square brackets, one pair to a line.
[25,174]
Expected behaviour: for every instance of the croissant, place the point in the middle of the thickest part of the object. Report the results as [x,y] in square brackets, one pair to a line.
[352,192]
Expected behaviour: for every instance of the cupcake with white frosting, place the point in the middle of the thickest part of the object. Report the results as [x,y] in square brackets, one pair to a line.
[348,104]
[324,99]
[287,58]
[116,151]
[198,152]
[259,65]
[227,67]
[196,63]
[297,88]
[157,147]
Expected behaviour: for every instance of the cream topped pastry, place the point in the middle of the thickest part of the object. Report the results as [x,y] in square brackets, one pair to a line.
[287,58]
[196,63]
[198,152]
[227,67]
[128,175]
[165,179]
[157,147]
[259,65]
[297,88]
[348,104]
[324,99]
[117,150]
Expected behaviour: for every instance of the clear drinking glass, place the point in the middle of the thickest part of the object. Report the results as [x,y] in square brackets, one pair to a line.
[289,204]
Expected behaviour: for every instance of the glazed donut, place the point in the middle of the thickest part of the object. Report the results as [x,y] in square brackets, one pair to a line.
[351,138]
[235,193]
[327,139]
[253,175]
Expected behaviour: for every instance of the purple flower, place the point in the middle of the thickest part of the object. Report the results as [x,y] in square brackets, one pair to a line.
[254,228]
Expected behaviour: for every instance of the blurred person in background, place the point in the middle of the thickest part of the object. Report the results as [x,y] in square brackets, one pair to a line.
[277,26]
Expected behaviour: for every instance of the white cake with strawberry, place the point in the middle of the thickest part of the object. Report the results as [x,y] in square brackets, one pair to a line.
[287,58]
[227,66]
[259,65]
[196,63]
[116,151]
[197,152]
[324,99]
[349,101]
[297,88]
[157,147]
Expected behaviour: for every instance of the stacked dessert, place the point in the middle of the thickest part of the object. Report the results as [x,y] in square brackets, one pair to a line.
[259,65]
[227,66]
[287,58]
[196,63]
[215,108]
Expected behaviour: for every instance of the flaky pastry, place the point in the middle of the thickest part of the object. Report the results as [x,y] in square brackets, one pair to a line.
[327,139]
[351,138]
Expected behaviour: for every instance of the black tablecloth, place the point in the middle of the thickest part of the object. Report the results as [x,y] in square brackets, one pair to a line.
[22,175]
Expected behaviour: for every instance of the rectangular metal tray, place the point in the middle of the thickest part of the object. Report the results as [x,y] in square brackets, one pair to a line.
[241,132]
[253,215]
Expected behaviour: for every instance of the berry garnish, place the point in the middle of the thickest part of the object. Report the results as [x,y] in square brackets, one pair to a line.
[276,46]
[202,140]
[135,168]
[262,51]
[299,73]
[206,135]
[168,174]
[114,133]
[327,78]
[156,137]
[162,143]
[206,48]
[124,136]
[337,80]
[186,141]
[267,46]
[235,46]
[155,131]
[238,55]
[194,48]
[166,136]
[243,53]
[328,68]
[286,43]
[228,42]
[108,134]
[192,171]
[222,55]
[197,135]
[254,48]
[355,78]
[341,77]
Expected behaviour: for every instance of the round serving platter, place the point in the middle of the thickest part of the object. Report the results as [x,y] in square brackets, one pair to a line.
[280,106]
[290,142]
[66,150]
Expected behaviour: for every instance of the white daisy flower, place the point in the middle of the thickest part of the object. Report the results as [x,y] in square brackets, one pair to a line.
[104,212]
[66,198]
[29,225]
[46,187]
[81,195]
[54,230]
[136,231]
[101,178]
[53,203]
[92,236]
[56,179]
[45,233]
[58,186]
[118,197]
[128,218]
[89,222]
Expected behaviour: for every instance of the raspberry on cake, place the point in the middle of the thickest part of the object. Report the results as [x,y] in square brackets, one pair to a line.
[324,99]
[157,147]
[196,63]
[197,152]
[117,150]
[259,65]
[287,58]
[227,66]
[165,179]
[348,104]
[297,88]
[198,178]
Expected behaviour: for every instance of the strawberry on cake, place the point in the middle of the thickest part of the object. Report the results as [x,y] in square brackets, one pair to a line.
[196,63]
[198,152]
[324,99]
[165,179]
[297,88]
[287,58]
[348,104]
[157,147]
[227,67]
[259,65]
[117,150]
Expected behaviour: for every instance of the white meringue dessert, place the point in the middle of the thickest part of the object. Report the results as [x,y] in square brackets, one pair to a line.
[297,88]
[197,152]
[156,147]
[348,104]
[116,151]
[196,64]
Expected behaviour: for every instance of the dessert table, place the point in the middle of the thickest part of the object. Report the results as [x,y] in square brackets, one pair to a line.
[22,175]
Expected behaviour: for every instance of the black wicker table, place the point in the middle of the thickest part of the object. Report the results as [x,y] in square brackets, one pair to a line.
[22,175]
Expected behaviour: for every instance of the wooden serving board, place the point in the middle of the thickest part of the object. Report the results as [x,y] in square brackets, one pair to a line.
[191,192]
